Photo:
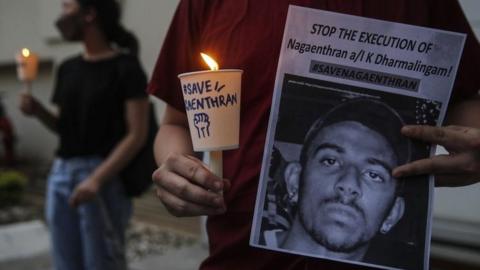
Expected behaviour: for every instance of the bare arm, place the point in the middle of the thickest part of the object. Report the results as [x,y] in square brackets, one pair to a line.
[173,136]
[461,138]
[137,128]
[184,184]
[30,106]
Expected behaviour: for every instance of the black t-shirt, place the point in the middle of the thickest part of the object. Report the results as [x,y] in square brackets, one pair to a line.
[91,97]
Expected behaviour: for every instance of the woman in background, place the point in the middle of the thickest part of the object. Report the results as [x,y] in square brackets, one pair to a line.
[101,121]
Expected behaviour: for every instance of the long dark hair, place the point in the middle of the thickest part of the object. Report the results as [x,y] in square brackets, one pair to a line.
[108,17]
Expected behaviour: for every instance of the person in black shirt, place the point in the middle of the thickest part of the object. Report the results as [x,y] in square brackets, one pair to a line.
[101,123]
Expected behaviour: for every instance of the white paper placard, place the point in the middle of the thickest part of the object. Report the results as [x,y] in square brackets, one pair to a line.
[344,87]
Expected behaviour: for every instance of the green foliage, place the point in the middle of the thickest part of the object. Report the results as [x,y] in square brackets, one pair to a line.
[12,187]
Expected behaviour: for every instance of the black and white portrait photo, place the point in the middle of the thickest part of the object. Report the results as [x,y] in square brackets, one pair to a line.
[328,190]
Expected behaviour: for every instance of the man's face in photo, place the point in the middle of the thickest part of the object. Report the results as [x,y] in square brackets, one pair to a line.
[346,190]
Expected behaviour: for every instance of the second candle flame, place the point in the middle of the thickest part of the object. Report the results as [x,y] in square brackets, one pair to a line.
[25,52]
[210,62]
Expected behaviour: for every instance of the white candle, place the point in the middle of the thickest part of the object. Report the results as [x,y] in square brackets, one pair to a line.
[216,157]
[27,65]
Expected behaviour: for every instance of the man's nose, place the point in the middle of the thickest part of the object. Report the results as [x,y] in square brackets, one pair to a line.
[348,185]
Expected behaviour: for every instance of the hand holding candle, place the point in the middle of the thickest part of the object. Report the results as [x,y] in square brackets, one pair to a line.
[212,103]
[27,67]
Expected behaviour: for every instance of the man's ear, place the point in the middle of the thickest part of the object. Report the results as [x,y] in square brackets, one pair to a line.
[396,213]
[292,180]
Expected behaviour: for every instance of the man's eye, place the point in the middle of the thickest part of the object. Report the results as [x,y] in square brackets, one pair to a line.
[375,177]
[329,162]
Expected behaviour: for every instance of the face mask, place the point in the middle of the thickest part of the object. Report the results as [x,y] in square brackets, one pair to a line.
[71,27]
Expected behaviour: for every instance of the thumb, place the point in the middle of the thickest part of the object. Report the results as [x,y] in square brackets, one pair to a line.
[227,184]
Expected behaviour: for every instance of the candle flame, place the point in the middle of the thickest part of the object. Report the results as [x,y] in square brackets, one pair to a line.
[25,52]
[210,62]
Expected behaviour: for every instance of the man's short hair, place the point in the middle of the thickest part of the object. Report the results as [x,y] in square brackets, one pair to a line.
[373,114]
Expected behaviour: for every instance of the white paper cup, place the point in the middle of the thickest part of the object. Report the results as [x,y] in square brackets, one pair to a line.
[212,103]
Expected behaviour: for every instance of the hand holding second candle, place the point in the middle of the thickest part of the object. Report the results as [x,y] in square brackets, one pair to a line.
[29,105]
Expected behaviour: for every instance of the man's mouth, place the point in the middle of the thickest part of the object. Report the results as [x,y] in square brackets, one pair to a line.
[341,212]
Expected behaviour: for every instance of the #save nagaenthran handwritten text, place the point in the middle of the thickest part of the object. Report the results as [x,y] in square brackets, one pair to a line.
[199,102]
